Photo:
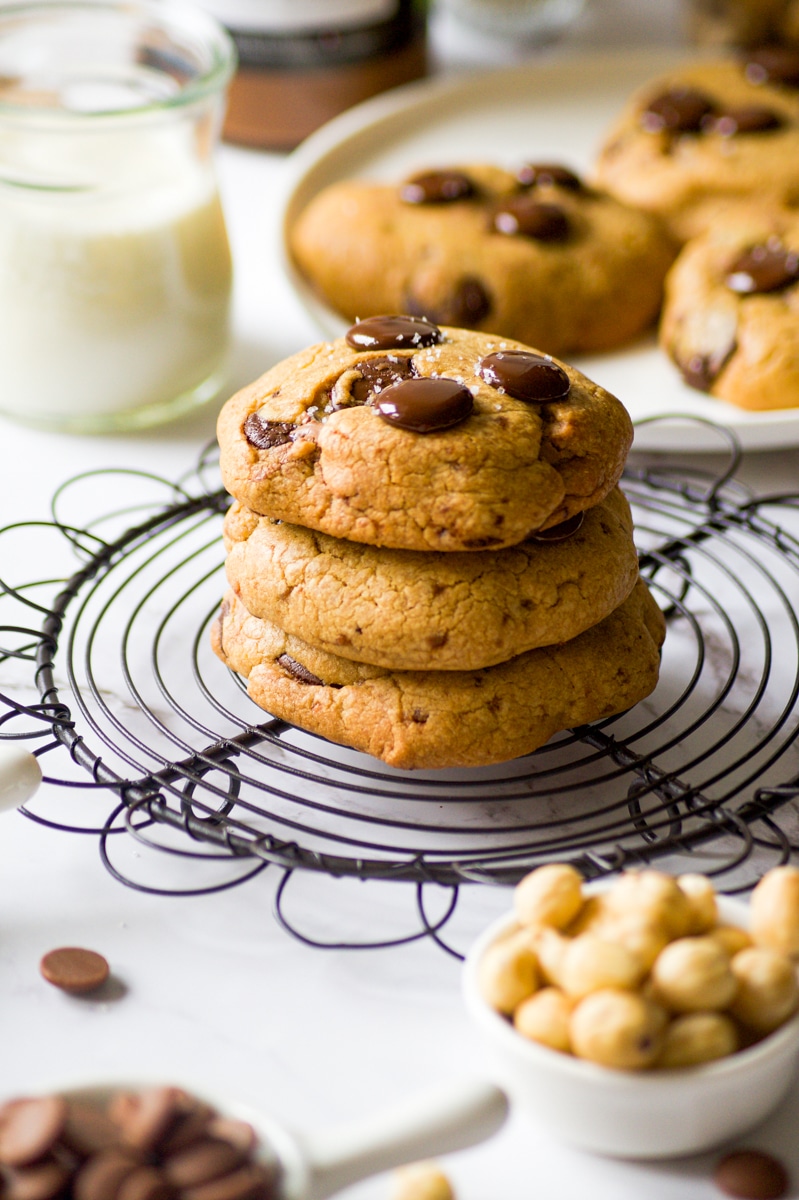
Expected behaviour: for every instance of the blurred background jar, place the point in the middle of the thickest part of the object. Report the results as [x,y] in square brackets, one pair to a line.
[725,23]
[115,270]
[301,62]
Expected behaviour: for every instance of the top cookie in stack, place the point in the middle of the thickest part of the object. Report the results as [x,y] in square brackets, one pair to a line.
[429,558]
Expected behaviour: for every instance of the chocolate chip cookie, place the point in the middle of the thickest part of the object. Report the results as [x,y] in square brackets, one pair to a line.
[430,719]
[708,138]
[409,435]
[731,318]
[410,610]
[533,254]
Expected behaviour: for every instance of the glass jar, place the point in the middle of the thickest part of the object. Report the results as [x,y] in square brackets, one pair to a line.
[115,271]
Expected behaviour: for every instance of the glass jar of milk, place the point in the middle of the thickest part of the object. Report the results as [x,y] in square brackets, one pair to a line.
[115,271]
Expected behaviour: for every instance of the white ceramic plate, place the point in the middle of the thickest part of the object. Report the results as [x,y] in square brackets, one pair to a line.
[550,111]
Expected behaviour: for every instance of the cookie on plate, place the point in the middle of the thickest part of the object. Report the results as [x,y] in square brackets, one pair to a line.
[431,719]
[731,318]
[534,255]
[707,138]
[406,609]
[408,435]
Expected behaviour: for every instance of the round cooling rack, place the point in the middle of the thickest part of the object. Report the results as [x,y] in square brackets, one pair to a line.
[148,741]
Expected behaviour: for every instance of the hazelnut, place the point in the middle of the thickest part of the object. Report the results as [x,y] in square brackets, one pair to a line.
[551,947]
[550,895]
[774,911]
[591,962]
[702,906]
[731,938]
[768,991]
[692,974]
[654,896]
[544,1017]
[698,1037]
[508,972]
[421,1181]
[617,1028]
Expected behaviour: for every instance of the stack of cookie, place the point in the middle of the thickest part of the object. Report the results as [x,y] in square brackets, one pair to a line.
[428,556]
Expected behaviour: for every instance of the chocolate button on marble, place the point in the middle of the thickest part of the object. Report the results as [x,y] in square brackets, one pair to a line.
[773,64]
[29,1128]
[678,110]
[524,217]
[74,969]
[525,376]
[752,1175]
[264,435]
[392,333]
[425,405]
[437,187]
[769,267]
[533,174]
[751,119]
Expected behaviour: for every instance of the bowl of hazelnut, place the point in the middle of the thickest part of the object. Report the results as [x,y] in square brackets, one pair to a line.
[643,1017]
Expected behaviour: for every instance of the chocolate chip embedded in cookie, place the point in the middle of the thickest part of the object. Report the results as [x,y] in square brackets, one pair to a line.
[407,610]
[430,719]
[731,314]
[532,254]
[423,438]
[707,138]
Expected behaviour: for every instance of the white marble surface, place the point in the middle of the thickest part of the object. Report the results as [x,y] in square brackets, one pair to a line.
[210,990]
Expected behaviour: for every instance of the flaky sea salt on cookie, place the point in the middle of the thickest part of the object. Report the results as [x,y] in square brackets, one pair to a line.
[420,437]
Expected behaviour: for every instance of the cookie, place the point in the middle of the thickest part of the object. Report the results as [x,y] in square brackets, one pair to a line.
[430,719]
[407,435]
[731,317]
[534,255]
[706,139]
[409,610]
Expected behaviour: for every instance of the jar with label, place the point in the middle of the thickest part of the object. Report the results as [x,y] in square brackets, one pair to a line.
[302,62]
[115,270]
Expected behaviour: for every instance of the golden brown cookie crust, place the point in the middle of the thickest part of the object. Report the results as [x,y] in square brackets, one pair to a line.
[745,347]
[690,179]
[432,719]
[366,251]
[410,610]
[508,469]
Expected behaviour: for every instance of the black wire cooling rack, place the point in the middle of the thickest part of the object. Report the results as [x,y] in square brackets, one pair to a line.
[108,676]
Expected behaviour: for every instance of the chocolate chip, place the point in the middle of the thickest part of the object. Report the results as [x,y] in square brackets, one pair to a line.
[773,64]
[681,109]
[425,405]
[769,267]
[393,333]
[524,375]
[700,370]
[377,374]
[145,1183]
[255,1181]
[535,174]
[88,1129]
[559,533]
[524,217]
[44,1181]
[149,1116]
[101,1177]
[239,1133]
[300,673]
[468,304]
[73,969]
[202,1162]
[265,435]
[193,1124]
[751,1175]
[752,119]
[437,187]
[29,1128]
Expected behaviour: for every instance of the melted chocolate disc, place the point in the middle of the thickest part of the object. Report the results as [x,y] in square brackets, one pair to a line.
[525,217]
[752,119]
[525,376]
[437,187]
[378,374]
[392,333]
[425,405]
[700,370]
[265,435]
[558,533]
[765,268]
[533,174]
[679,110]
[466,306]
[773,64]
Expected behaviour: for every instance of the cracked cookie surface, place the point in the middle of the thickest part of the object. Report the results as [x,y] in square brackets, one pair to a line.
[436,719]
[702,140]
[407,609]
[566,268]
[306,444]
[731,315]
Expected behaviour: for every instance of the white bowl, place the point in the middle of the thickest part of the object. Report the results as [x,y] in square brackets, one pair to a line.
[634,1114]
